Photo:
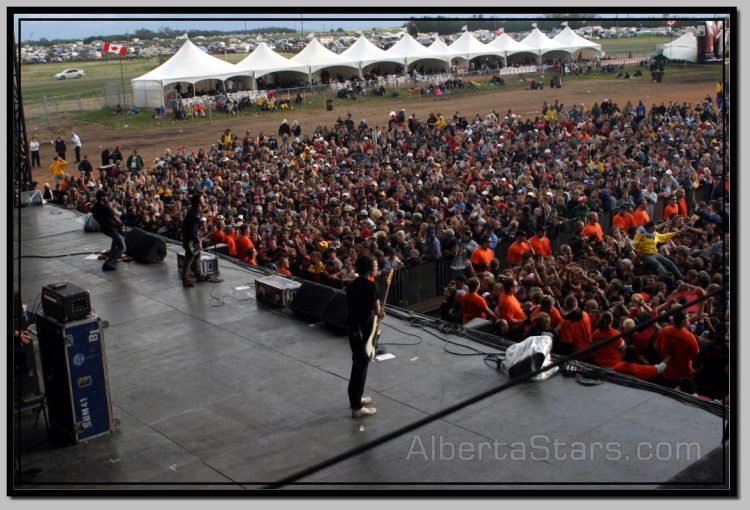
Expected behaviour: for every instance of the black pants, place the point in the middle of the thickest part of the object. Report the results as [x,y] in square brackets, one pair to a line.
[359,368]
[78,154]
[35,161]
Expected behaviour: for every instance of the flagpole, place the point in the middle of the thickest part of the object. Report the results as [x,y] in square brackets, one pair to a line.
[122,80]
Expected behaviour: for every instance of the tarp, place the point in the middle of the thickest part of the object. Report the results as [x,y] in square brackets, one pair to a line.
[363,53]
[468,47]
[317,57]
[684,47]
[263,60]
[409,51]
[576,43]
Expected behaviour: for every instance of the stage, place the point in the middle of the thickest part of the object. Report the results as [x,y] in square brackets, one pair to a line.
[212,390]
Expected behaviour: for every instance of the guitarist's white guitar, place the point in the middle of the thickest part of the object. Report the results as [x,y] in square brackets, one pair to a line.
[371,344]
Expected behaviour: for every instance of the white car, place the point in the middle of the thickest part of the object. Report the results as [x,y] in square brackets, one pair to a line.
[70,73]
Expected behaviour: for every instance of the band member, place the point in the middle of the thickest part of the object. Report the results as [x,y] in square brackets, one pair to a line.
[191,241]
[364,304]
[110,225]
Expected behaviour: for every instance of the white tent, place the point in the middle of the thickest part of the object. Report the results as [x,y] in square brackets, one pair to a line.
[543,44]
[684,47]
[577,44]
[263,61]
[408,51]
[317,57]
[468,47]
[364,53]
[440,47]
[509,46]
[189,65]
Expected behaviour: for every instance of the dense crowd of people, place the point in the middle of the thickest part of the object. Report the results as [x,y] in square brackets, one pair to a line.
[410,190]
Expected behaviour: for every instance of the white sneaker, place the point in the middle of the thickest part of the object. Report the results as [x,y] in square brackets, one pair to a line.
[365,411]
[366,400]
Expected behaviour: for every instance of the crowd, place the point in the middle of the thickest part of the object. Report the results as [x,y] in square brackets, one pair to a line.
[410,190]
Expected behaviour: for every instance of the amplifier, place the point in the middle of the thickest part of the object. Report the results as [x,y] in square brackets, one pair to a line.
[276,290]
[65,301]
[208,263]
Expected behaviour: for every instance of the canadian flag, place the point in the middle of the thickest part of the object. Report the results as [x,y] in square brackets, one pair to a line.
[671,22]
[114,48]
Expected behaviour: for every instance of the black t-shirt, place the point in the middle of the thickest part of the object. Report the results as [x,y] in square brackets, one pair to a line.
[360,295]
[103,214]
[191,225]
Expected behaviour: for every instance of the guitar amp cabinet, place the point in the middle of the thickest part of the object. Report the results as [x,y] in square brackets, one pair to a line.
[65,301]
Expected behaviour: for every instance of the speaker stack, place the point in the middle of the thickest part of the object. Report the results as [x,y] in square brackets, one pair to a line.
[321,303]
[145,247]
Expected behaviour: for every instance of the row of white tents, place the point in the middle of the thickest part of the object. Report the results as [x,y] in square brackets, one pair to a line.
[191,65]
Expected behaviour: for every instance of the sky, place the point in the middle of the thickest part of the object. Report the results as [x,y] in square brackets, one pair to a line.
[59,28]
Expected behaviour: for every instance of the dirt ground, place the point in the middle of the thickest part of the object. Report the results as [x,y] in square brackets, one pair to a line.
[152,143]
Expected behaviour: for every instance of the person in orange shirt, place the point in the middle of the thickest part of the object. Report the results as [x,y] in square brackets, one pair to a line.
[482,255]
[284,266]
[243,243]
[540,243]
[671,208]
[473,305]
[593,230]
[517,248]
[219,236]
[547,305]
[682,206]
[229,240]
[678,345]
[509,309]
[611,354]
[623,219]
[634,364]
[640,216]
[575,329]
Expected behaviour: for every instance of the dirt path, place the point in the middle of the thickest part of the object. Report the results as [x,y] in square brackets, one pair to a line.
[152,143]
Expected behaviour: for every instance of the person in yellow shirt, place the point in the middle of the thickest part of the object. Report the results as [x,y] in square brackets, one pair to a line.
[646,244]
[58,169]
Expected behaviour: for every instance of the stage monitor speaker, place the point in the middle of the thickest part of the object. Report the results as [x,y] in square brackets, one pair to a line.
[311,300]
[219,248]
[336,312]
[33,197]
[479,324]
[144,247]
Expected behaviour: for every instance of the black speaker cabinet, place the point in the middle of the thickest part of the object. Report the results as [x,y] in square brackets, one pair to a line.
[144,247]
[311,300]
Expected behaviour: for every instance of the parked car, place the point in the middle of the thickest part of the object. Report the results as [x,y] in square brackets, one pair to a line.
[70,73]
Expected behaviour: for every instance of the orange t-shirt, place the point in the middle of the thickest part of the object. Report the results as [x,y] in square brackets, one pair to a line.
[482,256]
[683,347]
[576,332]
[593,230]
[624,221]
[682,206]
[541,246]
[232,246]
[644,372]
[670,210]
[516,251]
[285,271]
[641,217]
[555,317]
[473,306]
[509,308]
[220,237]
[243,244]
[610,354]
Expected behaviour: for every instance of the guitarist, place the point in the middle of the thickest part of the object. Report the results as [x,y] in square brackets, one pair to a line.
[111,226]
[363,302]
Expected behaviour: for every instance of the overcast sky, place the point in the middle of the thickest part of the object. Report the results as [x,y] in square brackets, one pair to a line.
[60,28]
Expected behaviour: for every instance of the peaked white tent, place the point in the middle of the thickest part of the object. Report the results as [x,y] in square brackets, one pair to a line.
[263,61]
[409,51]
[189,65]
[317,57]
[543,44]
[440,47]
[684,47]
[577,44]
[509,46]
[468,47]
[364,53]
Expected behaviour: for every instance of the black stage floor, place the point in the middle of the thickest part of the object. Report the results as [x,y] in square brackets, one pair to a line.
[212,389]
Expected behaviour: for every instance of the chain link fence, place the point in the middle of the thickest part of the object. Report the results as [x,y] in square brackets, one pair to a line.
[49,109]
